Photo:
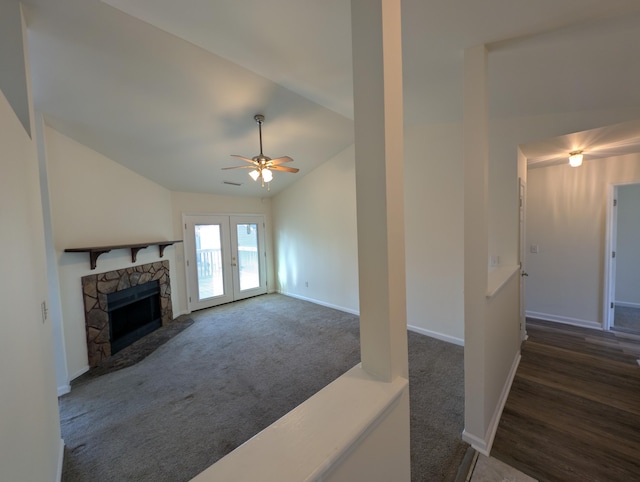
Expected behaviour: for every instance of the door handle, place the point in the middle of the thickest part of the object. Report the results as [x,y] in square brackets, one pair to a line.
[524,273]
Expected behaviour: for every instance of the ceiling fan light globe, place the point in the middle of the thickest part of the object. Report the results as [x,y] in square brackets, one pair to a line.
[267,175]
[254,175]
[575,160]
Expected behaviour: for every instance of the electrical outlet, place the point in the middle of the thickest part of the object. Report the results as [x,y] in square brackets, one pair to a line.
[306,283]
[534,248]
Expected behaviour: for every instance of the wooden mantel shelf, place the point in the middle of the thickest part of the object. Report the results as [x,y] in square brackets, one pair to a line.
[95,251]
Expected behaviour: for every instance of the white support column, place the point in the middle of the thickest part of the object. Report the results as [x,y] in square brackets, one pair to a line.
[377,72]
[476,238]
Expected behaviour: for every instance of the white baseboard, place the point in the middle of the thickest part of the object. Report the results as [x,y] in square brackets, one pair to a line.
[321,303]
[476,442]
[64,389]
[60,460]
[436,335]
[483,445]
[626,304]
[79,372]
[564,319]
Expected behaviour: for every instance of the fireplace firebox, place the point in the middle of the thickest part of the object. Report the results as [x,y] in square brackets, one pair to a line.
[133,313]
[103,301]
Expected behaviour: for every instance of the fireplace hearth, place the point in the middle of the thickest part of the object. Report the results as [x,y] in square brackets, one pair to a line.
[138,298]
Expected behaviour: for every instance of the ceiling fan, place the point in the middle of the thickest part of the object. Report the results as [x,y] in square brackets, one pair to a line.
[261,164]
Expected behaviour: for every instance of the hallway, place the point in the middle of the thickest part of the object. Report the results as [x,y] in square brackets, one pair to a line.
[573,413]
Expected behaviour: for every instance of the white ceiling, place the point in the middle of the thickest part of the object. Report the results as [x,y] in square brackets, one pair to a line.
[169,89]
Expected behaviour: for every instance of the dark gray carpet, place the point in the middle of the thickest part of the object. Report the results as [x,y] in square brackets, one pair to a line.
[234,371]
[626,318]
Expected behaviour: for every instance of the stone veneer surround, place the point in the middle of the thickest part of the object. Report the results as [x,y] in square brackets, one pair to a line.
[95,289]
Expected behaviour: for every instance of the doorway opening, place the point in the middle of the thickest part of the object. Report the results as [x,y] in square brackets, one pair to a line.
[622,296]
[225,258]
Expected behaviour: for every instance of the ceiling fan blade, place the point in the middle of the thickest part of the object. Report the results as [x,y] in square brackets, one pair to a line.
[238,167]
[283,168]
[244,158]
[281,160]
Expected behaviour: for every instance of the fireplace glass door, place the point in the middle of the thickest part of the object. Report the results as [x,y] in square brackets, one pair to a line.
[225,258]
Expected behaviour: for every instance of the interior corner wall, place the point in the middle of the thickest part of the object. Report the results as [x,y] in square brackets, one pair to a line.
[30,444]
[434,225]
[315,235]
[199,203]
[503,209]
[627,292]
[566,219]
[316,238]
[13,74]
[97,202]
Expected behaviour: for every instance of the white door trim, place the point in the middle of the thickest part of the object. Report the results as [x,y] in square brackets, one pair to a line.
[609,284]
[229,257]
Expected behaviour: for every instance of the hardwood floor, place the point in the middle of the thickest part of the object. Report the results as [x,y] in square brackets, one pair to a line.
[573,412]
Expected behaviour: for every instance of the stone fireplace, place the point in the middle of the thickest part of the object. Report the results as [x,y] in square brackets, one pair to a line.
[98,288]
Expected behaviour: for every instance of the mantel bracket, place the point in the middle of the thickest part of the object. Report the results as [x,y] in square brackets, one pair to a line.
[93,256]
[96,251]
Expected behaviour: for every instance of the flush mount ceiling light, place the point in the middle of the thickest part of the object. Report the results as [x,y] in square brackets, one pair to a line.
[575,158]
[261,164]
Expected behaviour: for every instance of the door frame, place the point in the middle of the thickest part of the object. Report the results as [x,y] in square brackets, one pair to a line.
[522,218]
[263,250]
[609,284]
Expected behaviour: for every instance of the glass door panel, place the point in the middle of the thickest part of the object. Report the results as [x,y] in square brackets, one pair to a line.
[248,256]
[248,263]
[209,260]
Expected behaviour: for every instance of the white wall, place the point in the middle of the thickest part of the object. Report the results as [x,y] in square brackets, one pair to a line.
[566,218]
[506,134]
[628,246]
[30,445]
[97,202]
[315,235]
[503,208]
[434,225]
[194,203]
[13,75]
[491,301]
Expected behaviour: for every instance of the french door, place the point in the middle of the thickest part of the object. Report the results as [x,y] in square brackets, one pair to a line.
[224,258]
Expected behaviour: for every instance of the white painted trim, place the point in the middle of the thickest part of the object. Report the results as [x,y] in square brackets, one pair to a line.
[476,442]
[625,304]
[565,319]
[495,420]
[60,461]
[321,303]
[609,278]
[64,389]
[436,335]
[484,445]
[79,372]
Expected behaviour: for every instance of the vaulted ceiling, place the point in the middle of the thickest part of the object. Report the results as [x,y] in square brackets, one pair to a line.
[169,89]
